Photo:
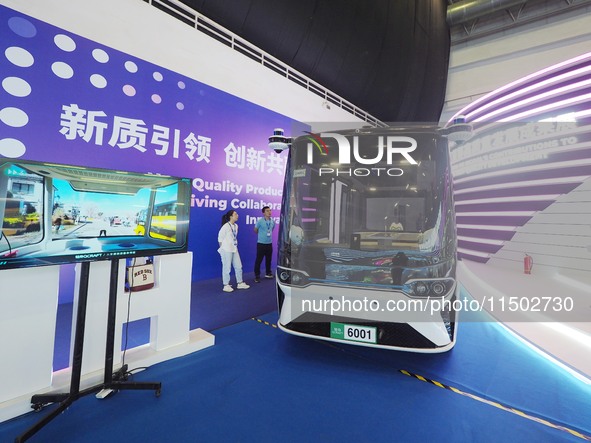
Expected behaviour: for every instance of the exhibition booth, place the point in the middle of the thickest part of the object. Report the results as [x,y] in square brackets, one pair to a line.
[116,169]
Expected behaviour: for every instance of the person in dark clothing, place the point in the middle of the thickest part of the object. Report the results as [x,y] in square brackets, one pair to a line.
[399,262]
[264,229]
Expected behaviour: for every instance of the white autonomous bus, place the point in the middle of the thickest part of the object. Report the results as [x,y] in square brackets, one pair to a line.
[367,238]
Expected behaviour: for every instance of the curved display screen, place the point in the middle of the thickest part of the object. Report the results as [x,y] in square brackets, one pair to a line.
[55,214]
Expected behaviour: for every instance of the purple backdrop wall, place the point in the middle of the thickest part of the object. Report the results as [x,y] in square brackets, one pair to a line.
[67,99]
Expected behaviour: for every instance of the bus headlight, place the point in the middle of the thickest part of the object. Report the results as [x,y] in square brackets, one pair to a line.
[284,276]
[439,287]
[291,277]
[421,289]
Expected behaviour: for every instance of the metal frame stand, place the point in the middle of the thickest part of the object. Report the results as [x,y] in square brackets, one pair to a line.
[114,382]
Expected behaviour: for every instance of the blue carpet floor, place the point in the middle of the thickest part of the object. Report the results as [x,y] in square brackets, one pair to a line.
[258,384]
[211,309]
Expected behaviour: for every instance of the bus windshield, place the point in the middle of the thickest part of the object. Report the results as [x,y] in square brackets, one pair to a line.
[378,219]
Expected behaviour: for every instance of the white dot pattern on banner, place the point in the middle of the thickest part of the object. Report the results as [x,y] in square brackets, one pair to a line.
[16,86]
[22,26]
[19,57]
[131,67]
[64,42]
[62,70]
[98,81]
[19,87]
[11,148]
[129,90]
[14,117]
[100,56]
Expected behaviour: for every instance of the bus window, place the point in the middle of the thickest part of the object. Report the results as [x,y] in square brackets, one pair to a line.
[164,214]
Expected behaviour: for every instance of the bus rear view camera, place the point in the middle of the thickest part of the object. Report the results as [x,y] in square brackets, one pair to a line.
[55,214]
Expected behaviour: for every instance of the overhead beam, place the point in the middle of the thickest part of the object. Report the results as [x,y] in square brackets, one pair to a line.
[466,10]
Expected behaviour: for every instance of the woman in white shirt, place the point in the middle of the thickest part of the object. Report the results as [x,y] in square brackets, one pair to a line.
[228,241]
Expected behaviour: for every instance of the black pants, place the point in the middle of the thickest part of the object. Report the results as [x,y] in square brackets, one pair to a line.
[266,251]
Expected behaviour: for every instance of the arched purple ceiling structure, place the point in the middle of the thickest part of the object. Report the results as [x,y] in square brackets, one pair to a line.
[532,145]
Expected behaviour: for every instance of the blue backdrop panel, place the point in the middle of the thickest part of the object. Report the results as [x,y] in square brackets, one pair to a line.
[66,99]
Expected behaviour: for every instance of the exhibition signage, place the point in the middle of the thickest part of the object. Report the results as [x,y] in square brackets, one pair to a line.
[69,100]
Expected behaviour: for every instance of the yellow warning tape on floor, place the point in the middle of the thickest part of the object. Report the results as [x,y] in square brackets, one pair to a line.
[477,398]
[263,322]
[500,406]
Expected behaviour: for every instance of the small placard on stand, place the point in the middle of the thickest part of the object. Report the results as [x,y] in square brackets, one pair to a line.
[140,277]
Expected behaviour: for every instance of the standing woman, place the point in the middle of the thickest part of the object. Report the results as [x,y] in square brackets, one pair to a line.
[228,240]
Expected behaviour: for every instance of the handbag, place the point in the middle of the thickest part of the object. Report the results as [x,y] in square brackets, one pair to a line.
[140,277]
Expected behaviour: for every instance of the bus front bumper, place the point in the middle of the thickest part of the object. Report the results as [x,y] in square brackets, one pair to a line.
[367,317]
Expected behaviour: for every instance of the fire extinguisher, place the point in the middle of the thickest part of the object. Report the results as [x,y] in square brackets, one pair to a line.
[528,263]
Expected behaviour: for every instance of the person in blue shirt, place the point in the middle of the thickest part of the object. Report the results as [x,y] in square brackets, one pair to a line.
[264,229]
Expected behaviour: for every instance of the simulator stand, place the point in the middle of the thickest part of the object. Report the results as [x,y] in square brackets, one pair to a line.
[112,381]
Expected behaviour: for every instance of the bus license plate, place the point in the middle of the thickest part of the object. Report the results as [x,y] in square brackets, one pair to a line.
[343,331]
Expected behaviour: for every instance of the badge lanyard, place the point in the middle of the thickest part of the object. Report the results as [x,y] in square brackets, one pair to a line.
[268,228]
[234,234]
